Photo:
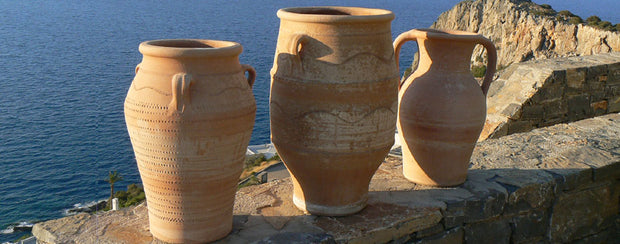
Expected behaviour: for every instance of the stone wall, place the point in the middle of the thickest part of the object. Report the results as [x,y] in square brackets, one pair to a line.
[546,92]
[554,184]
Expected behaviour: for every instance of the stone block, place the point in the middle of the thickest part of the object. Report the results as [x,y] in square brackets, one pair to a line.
[552,121]
[436,229]
[612,91]
[447,201]
[613,74]
[594,82]
[55,231]
[548,92]
[556,108]
[512,111]
[104,227]
[603,163]
[614,105]
[402,240]
[568,179]
[496,86]
[298,238]
[578,214]
[379,223]
[594,72]
[603,125]
[575,78]
[606,236]
[527,189]
[451,236]
[529,226]
[497,231]
[578,107]
[532,112]
[599,107]
[599,95]
[489,197]
[519,126]
[494,129]
[454,214]
[558,78]
[251,228]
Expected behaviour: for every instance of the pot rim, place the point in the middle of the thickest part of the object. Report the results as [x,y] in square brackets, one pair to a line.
[428,33]
[175,48]
[349,14]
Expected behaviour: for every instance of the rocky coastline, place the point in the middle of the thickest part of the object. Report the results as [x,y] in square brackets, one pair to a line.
[522,32]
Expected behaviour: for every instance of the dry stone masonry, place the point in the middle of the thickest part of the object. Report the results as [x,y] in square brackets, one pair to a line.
[546,92]
[557,184]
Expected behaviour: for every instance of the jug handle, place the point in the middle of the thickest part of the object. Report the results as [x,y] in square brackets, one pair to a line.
[404,37]
[251,73]
[491,63]
[180,92]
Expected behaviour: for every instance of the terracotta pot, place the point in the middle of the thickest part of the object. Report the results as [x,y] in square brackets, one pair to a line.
[190,112]
[442,108]
[333,103]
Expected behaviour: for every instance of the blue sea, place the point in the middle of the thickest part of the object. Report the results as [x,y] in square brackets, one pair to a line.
[65,68]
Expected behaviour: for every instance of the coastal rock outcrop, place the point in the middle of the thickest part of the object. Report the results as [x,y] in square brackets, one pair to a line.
[521,31]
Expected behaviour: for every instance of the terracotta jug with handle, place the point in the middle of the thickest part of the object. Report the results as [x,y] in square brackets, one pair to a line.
[442,108]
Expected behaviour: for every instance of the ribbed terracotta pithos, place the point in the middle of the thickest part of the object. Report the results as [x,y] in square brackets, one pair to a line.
[333,103]
[190,112]
[442,108]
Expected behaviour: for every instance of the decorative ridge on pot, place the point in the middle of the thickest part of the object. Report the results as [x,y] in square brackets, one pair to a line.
[190,48]
[332,14]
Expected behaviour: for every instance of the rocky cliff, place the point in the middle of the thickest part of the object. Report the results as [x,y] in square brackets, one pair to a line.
[522,31]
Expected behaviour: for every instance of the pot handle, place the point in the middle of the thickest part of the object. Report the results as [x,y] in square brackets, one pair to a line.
[251,73]
[297,45]
[404,37]
[491,63]
[180,92]
[137,68]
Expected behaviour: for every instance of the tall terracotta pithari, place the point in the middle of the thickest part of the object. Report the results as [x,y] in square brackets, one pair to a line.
[190,113]
[333,103]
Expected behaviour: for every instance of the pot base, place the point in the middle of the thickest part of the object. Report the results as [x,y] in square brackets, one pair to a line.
[429,182]
[317,209]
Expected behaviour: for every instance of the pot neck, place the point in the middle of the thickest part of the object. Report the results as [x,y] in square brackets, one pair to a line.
[191,55]
[444,54]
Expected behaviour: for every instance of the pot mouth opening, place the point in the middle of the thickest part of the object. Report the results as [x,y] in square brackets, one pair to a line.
[335,14]
[321,11]
[451,34]
[181,43]
[189,48]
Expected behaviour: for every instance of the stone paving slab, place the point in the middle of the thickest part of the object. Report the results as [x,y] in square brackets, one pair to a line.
[527,186]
